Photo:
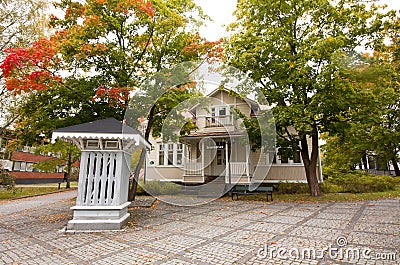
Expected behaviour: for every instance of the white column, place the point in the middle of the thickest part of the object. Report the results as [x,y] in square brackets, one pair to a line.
[174,153]
[145,167]
[247,159]
[227,171]
[202,160]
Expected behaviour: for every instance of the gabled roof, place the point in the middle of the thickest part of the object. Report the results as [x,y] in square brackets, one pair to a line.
[253,104]
[101,129]
[107,126]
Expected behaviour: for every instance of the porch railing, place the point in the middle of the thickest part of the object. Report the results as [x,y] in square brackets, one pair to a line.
[193,169]
[239,169]
[219,121]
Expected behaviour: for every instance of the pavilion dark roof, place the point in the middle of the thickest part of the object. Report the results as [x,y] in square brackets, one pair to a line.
[109,126]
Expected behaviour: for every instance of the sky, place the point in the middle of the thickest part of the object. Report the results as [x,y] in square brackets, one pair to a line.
[221,11]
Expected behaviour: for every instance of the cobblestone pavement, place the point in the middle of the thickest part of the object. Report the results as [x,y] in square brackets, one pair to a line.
[222,232]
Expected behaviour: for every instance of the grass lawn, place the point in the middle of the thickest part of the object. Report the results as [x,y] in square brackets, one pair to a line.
[74,184]
[32,189]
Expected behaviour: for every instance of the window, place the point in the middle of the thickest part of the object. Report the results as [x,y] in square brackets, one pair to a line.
[284,155]
[222,111]
[161,154]
[170,154]
[220,157]
[220,153]
[179,154]
[92,144]
[284,159]
[29,167]
[111,145]
[297,157]
[213,115]
[272,157]
[17,166]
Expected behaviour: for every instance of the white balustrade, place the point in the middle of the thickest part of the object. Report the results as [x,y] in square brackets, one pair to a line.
[238,168]
[193,168]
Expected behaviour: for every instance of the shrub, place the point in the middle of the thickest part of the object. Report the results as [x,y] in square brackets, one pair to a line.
[157,187]
[6,180]
[292,188]
[328,187]
[358,182]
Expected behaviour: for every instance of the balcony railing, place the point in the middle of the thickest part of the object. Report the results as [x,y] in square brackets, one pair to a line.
[219,121]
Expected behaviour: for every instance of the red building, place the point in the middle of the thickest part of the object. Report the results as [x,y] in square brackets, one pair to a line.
[22,167]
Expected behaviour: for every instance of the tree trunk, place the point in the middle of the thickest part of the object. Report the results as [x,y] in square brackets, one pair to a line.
[310,164]
[133,187]
[69,165]
[135,181]
[396,167]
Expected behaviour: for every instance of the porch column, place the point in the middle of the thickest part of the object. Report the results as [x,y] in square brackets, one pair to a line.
[227,168]
[202,159]
[262,151]
[247,160]
[145,167]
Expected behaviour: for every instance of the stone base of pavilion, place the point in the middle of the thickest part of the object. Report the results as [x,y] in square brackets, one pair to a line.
[98,218]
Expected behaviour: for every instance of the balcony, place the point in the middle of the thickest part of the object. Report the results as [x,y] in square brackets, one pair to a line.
[219,121]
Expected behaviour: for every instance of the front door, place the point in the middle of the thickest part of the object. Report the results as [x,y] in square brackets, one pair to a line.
[218,165]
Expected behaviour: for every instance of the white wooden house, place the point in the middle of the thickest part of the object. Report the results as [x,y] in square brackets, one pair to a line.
[216,150]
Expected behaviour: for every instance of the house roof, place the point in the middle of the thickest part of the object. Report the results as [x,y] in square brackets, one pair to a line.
[252,103]
[29,157]
[108,126]
[36,175]
[249,101]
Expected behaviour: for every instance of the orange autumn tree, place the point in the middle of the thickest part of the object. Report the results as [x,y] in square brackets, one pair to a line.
[32,68]
[100,54]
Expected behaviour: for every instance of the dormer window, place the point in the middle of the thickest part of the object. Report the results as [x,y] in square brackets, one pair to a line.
[111,145]
[93,144]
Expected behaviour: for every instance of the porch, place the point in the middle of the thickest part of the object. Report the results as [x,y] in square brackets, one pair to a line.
[211,157]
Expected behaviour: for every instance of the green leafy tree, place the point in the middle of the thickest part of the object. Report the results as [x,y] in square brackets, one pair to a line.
[65,155]
[294,50]
[100,54]
[372,123]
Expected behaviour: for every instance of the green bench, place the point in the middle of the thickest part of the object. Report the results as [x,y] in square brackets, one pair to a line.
[251,189]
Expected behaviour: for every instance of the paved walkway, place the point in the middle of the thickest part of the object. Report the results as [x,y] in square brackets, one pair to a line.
[222,232]
[29,203]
